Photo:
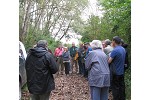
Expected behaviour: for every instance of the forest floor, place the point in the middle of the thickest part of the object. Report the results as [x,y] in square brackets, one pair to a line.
[72,87]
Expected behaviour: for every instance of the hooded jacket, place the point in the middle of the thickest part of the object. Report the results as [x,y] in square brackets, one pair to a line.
[40,66]
[97,65]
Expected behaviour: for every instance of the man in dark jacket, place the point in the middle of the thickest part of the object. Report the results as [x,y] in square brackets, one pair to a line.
[124,45]
[80,58]
[87,48]
[73,51]
[40,67]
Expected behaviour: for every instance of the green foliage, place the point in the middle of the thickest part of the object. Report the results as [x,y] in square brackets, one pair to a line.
[128,84]
[91,30]
[117,18]
[32,38]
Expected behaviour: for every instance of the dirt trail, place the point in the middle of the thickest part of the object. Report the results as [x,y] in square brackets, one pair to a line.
[72,87]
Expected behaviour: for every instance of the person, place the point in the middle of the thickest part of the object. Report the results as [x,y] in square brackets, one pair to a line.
[66,60]
[58,54]
[108,48]
[88,49]
[116,60]
[80,58]
[40,67]
[103,44]
[34,46]
[124,45]
[88,46]
[22,51]
[99,76]
[73,51]
[83,55]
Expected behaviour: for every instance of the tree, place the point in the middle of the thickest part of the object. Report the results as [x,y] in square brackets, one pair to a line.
[49,15]
[91,29]
[51,18]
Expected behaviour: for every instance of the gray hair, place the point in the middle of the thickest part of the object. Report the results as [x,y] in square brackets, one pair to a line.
[42,43]
[96,44]
[107,42]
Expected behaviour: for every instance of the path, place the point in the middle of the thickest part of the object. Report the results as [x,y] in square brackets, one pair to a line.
[73,87]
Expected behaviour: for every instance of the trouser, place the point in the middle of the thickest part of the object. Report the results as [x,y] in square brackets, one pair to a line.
[67,67]
[72,63]
[118,87]
[98,93]
[111,77]
[60,64]
[45,96]
[80,66]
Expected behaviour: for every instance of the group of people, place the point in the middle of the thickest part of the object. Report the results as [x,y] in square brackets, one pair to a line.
[72,59]
[106,65]
[102,63]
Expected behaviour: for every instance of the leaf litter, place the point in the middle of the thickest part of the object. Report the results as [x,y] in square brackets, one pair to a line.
[72,87]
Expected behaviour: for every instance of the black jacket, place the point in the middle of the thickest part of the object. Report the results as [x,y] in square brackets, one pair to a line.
[126,56]
[40,67]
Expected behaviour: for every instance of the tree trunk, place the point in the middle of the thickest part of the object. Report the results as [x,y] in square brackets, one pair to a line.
[59,28]
[25,24]
[65,32]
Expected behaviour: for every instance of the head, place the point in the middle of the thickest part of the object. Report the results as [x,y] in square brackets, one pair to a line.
[122,42]
[42,43]
[81,45]
[86,45]
[73,44]
[107,42]
[103,44]
[116,41]
[125,45]
[65,48]
[96,44]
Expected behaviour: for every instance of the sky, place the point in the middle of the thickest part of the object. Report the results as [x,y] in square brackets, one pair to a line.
[92,8]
